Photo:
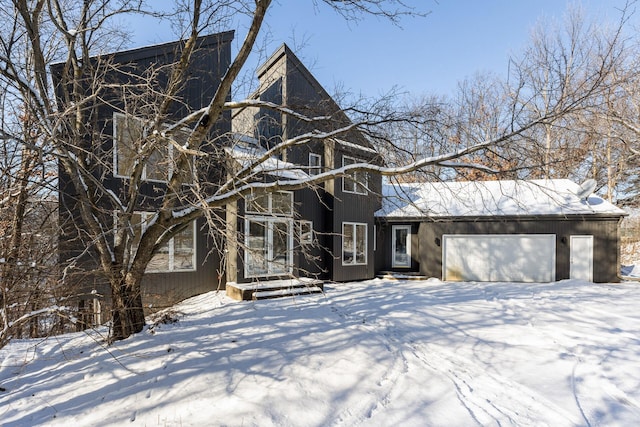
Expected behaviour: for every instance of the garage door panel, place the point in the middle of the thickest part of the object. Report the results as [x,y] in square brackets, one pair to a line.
[464,260]
[509,258]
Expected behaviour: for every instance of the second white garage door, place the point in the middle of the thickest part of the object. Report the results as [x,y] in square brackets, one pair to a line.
[499,257]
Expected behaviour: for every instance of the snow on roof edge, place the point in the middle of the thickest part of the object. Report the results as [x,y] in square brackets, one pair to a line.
[478,199]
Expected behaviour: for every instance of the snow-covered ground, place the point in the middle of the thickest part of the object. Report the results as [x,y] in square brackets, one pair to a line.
[375,353]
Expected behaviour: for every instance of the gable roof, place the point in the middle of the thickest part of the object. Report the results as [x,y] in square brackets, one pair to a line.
[475,199]
[162,49]
[284,64]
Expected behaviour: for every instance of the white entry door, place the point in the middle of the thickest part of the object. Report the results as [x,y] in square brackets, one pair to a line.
[581,263]
[401,246]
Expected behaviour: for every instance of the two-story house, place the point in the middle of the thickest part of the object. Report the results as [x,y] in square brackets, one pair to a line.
[322,232]
[342,228]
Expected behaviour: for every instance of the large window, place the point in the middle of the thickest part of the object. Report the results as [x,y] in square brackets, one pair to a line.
[268,246]
[269,234]
[178,254]
[354,181]
[354,243]
[129,134]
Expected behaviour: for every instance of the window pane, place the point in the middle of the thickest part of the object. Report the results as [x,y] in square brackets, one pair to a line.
[401,257]
[256,248]
[158,163]
[257,203]
[347,244]
[128,133]
[360,184]
[306,232]
[361,243]
[282,203]
[354,181]
[280,261]
[184,249]
[315,164]
[160,260]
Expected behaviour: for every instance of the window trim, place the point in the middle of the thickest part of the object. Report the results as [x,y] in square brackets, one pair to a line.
[315,169]
[356,183]
[354,248]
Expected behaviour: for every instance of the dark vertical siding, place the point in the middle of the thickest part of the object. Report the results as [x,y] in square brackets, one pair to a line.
[165,289]
[428,258]
[327,206]
[358,208]
[210,61]
[311,260]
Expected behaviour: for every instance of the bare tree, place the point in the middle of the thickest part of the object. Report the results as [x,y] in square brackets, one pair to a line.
[560,62]
[40,32]
[28,233]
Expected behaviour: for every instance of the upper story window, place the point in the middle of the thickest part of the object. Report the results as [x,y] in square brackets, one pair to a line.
[355,181]
[315,164]
[128,135]
[278,203]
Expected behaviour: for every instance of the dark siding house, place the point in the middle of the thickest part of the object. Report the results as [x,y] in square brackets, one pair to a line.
[323,232]
[347,228]
[331,224]
[516,231]
[170,277]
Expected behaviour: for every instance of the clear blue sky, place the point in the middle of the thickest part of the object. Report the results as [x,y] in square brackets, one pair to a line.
[427,55]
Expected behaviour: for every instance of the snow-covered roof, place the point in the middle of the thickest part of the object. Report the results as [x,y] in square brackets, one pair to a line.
[491,198]
[355,146]
[247,153]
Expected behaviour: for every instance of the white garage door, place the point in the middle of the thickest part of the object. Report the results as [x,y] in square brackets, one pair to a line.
[499,257]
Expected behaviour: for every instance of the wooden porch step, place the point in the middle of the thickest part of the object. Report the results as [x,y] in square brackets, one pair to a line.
[277,293]
[273,289]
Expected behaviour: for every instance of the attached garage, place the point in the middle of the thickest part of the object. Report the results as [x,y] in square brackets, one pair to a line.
[512,231]
[499,257]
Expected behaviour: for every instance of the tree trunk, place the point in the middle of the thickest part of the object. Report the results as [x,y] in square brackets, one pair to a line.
[127,309]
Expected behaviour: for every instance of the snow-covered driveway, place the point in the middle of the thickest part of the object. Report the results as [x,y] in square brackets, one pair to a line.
[375,353]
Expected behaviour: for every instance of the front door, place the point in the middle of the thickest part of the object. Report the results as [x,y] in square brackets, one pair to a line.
[581,263]
[401,246]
